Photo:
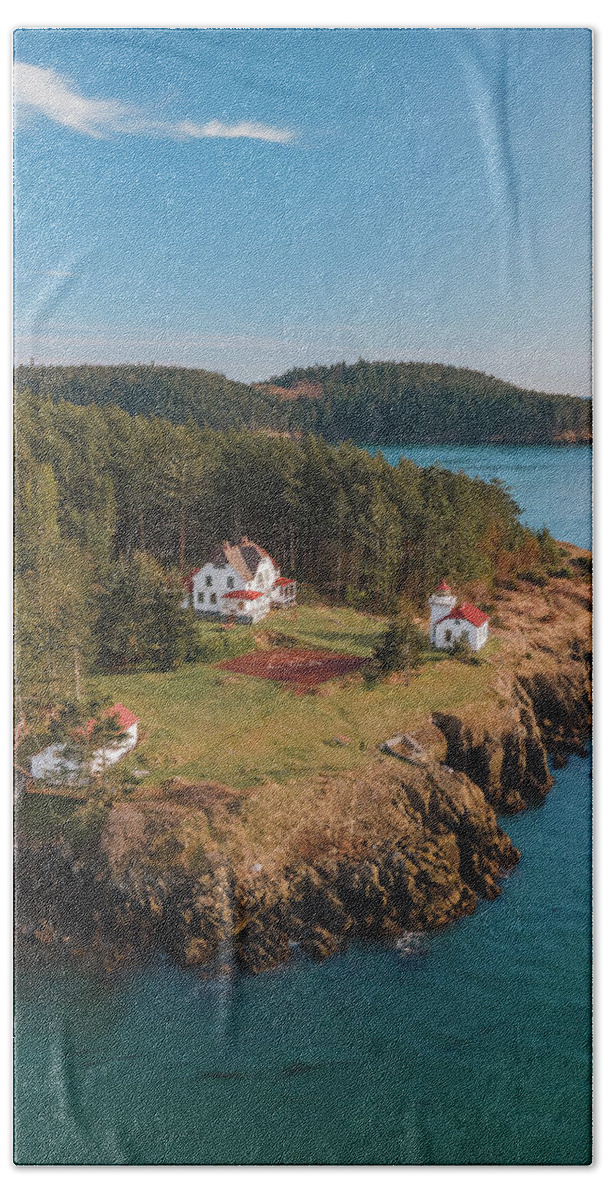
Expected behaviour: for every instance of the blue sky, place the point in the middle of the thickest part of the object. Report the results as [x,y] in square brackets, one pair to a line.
[247,201]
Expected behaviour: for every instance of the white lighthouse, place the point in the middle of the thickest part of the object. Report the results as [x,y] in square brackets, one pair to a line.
[441,604]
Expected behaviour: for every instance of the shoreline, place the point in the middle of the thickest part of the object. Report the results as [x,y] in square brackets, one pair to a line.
[224,879]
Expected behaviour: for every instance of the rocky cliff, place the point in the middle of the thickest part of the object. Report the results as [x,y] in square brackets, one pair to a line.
[403,846]
[410,843]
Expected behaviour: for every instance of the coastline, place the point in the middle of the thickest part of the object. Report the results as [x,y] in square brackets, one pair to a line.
[207,874]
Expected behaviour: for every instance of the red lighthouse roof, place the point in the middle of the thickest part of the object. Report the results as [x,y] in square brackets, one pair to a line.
[443,586]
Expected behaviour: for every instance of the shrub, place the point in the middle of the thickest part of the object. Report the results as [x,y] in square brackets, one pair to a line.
[85,825]
[583,564]
[538,578]
[355,597]
[549,549]
[400,648]
[561,572]
[461,648]
[307,594]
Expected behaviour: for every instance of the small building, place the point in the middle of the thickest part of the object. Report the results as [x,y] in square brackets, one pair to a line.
[450,620]
[52,763]
[243,574]
[245,606]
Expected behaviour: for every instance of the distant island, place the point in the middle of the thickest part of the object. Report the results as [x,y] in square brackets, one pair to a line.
[375,403]
[387,402]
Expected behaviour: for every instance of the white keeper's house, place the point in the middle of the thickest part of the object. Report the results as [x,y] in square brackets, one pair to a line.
[450,620]
[238,583]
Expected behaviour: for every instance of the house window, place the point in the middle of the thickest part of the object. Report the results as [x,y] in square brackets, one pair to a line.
[241,606]
[230,582]
[200,597]
[213,598]
[448,635]
[208,581]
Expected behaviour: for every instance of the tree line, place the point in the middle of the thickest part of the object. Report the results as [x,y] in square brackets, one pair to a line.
[112,510]
[384,402]
[180,394]
[380,402]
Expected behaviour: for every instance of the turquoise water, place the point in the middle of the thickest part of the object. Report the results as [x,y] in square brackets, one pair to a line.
[552,484]
[474,1051]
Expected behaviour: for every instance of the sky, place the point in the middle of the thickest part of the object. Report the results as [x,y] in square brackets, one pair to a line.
[247,201]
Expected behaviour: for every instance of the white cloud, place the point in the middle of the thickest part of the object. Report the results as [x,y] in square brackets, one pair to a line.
[41,90]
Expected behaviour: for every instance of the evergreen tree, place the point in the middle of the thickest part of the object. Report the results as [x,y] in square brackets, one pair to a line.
[141,621]
[400,648]
[54,601]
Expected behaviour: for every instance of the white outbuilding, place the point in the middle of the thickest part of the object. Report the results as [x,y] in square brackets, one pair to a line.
[53,763]
[450,620]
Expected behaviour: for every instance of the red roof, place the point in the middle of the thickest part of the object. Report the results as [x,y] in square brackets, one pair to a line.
[122,716]
[443,586]
[188,580]
[282,582]
[467,612]
[242,594]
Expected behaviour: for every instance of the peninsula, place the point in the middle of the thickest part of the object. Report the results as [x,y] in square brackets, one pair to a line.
[341,840]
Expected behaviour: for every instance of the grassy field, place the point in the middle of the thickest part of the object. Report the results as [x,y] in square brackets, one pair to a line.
[200,722]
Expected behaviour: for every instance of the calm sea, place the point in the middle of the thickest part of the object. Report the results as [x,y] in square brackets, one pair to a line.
[552,484]
[474,1050]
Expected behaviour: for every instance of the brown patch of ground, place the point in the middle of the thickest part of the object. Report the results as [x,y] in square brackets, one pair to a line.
[301,670]
[205,794]
[314,391]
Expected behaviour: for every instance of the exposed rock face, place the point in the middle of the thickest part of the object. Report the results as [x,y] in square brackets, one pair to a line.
[409,843]
[562,706]
[550,714]
[426,846]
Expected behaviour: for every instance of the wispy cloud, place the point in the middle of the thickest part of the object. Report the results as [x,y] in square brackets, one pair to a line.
[41,90]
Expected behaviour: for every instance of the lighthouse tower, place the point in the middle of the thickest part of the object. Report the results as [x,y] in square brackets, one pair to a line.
[441,604]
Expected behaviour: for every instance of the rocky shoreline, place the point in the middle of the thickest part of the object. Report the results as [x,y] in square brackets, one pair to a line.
[410,844]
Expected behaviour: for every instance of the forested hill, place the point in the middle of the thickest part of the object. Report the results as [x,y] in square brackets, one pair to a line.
[112,510]
[383,402]
[379,402]
[177,393]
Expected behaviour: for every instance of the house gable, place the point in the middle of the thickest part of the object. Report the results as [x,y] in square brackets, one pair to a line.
[230,569]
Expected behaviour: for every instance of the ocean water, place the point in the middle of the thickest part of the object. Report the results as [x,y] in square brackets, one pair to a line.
[472,1046]
[474,1051]
[552,484]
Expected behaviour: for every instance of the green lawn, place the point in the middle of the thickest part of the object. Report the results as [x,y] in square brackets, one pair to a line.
[200,722]
[341,629]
